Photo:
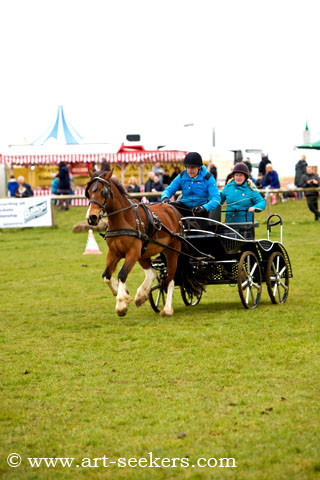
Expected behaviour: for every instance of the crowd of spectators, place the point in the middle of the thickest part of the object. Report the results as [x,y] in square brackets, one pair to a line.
[158,178]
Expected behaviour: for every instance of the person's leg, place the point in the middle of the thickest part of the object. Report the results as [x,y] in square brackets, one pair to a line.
[183,209]
[312,202]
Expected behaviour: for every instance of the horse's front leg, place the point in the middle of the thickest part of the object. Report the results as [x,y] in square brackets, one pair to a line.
[144,289]
[123,297]
[112,262]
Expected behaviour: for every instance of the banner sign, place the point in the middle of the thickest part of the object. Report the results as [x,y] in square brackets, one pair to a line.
[25,212]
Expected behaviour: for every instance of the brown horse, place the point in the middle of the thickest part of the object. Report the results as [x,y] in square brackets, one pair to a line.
[136,233]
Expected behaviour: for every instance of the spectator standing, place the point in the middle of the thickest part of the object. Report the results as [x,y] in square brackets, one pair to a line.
[311,180]
[12,185]
[23,189]
[259,180]
[176,172]
[158,170]
[166,178]
[133,187]
[300,170]
[271,180]
[54,187]
[149,185]
[105,166]
[262,165]
[64,185]
[213,170]
[247,162]
[157,187]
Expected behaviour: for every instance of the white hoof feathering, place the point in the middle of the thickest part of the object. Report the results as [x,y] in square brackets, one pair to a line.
[144,289]
[167,309]
[113,285]
[123,299]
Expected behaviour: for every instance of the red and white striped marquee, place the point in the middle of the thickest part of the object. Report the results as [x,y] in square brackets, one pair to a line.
[125,155]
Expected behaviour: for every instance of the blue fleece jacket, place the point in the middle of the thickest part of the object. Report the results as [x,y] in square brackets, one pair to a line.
[195,191]
[239,199]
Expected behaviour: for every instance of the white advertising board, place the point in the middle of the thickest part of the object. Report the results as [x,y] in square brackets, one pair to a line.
[25,212]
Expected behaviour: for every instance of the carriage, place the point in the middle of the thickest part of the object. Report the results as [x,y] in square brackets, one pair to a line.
[189,252]
[221,253]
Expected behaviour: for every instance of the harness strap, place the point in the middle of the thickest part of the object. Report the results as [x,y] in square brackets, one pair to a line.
[131,232]
[142,236]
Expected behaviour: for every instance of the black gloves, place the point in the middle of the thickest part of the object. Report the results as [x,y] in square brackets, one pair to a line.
[199,209]
[166,200]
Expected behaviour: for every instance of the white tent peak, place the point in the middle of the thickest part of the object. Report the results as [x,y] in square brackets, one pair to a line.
[62,132]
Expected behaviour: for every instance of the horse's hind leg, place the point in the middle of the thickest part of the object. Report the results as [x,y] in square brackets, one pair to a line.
[172,260]
[144,289]
[167,310]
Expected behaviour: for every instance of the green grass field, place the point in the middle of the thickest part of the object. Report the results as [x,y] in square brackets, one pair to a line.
[213,381]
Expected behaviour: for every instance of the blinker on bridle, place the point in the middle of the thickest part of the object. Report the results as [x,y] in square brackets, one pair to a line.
[106,191]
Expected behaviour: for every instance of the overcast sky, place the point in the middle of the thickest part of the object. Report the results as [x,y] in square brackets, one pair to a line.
[249,68]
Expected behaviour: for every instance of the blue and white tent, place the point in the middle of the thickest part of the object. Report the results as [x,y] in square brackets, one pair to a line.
[62,132]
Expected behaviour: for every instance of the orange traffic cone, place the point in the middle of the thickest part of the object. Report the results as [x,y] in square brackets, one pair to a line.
[92,246]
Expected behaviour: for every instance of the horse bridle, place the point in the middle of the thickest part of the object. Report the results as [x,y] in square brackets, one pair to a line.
[106,192]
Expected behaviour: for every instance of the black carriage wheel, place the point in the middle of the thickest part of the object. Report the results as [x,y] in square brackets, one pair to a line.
[249,280]
[277,278]
[157,296]
[190,299]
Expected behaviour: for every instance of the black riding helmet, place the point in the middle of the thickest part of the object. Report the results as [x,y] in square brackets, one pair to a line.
[193,159]
[241,168]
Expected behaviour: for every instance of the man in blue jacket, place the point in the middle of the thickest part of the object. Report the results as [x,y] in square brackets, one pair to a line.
[242,196]
[200,193]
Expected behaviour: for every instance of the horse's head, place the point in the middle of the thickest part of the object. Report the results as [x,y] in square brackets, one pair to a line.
[99,193]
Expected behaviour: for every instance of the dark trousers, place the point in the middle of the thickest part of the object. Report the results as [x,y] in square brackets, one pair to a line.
[187,212]
[312,201]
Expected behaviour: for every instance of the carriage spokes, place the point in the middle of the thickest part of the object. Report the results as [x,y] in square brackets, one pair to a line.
[249,280]
[277,278]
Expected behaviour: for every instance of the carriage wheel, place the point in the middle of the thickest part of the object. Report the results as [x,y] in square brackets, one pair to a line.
[277,278]
[190,299]
[249,280]
[157,297]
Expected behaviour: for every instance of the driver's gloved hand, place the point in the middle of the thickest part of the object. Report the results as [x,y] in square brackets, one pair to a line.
[199,209]
[166,200]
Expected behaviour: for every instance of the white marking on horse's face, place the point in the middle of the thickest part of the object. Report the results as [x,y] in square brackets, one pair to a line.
[88,212]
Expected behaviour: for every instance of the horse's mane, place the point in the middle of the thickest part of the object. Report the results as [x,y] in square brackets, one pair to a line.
[114,181]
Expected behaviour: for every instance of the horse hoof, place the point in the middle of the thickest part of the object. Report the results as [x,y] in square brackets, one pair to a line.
[140,301]
[165,313]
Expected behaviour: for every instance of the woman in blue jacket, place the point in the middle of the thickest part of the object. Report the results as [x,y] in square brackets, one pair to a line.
[242,196]
[271,178]
[200,193]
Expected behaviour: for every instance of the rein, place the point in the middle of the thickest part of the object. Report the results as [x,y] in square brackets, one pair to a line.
[146,237]
[131,232]
[134,205]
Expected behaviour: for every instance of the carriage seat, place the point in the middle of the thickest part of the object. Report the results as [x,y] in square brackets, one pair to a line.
[246,229]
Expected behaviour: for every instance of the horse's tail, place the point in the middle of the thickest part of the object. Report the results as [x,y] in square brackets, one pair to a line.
[192,285]
[187,278]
